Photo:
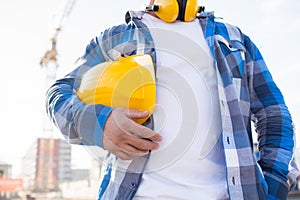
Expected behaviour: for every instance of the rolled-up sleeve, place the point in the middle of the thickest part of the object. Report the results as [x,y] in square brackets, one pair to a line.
[273,124]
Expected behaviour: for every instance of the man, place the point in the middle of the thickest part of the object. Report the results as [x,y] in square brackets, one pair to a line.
[211,82]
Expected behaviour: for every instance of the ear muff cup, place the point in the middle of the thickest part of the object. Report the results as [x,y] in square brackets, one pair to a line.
[170,10]
[190,10]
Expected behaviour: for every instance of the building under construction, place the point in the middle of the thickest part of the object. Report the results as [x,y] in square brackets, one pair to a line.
[46,165]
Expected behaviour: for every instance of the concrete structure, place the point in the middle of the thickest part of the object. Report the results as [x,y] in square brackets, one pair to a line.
[5,170]
[29,166]
[46,164]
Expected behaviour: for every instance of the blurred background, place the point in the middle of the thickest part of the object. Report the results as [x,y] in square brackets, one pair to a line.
[35,162]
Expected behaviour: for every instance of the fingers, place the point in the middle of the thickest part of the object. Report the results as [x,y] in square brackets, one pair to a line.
[140,144]
[125,138]
[128,155]
[136,114]
[129,147]
[129,126]
[142,131]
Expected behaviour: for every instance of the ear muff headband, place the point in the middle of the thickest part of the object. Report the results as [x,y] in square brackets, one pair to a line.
[170,10]
[182,5]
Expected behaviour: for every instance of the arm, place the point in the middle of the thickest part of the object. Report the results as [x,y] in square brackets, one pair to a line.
[97,124]
[80,123]
[273,124]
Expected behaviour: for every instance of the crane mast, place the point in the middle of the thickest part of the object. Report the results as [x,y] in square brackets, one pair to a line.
[49,60]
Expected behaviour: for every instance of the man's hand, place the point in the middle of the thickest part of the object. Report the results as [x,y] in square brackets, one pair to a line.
[124,138]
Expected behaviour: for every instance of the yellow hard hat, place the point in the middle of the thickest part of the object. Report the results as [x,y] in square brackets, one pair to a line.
[128,82]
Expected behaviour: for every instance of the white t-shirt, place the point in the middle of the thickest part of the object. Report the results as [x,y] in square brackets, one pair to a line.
[190,161]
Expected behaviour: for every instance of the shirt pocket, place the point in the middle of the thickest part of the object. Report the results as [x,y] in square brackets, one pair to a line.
[234,52]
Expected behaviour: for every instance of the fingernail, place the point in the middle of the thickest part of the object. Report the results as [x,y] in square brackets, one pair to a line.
[146,112]
[159,138]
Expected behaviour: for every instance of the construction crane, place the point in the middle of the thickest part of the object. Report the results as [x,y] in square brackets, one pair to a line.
[49,60]
[51,55]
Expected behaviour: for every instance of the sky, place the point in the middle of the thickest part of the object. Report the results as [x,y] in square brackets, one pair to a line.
[27,26]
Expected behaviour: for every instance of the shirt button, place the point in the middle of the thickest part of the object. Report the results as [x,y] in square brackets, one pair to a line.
[227,140]
[133,184]
[233,180]
[222,103]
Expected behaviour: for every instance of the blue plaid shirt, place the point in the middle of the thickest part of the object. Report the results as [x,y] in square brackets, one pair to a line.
[247,93]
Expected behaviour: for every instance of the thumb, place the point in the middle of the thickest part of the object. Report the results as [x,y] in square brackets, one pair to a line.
[136,114]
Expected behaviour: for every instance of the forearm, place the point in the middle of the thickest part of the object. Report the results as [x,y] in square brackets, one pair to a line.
[275,138]
[78,122]
[273,124]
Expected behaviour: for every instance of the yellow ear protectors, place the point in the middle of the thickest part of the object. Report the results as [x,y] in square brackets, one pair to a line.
[128,83]
[166,10]
[170,10]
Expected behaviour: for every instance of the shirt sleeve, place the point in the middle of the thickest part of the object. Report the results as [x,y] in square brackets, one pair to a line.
[78,122]
[273,124]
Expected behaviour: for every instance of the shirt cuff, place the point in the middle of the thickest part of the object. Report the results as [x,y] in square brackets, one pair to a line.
[277,188]
[102,117]
[90,124]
